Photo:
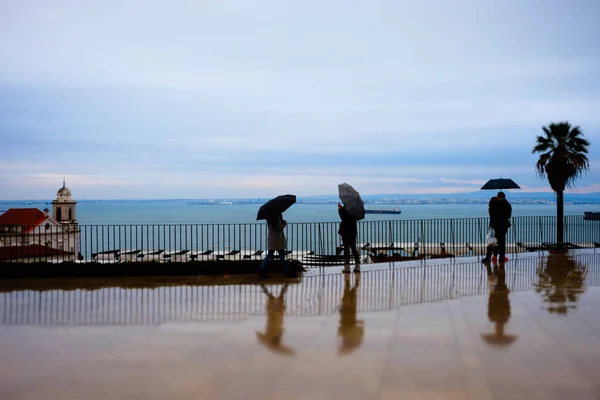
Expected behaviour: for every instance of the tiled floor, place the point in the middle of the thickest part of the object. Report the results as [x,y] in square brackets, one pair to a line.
[441,330]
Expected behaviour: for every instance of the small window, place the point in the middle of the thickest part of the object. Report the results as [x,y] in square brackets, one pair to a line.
[47,226]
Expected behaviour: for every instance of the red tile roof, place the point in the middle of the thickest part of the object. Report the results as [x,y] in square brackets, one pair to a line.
[27,217]
[31,251]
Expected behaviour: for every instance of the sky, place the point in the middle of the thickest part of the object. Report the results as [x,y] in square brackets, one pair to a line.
[212,98]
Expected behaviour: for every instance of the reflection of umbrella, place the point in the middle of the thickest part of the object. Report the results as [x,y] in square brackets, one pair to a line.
[500,183]
[351,338]
[498,340]
[275,206]
[274,345]
[352,201]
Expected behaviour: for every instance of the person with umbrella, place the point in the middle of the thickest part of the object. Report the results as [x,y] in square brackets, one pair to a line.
[275,242]
[348,231]
[353,210]
[500,214]
[272,211]
[501,222]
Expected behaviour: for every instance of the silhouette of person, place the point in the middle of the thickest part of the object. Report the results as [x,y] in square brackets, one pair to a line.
[348,230]
[275,308]
[501,222]
[499,310]
[351,330]
[275,242]
[491,250]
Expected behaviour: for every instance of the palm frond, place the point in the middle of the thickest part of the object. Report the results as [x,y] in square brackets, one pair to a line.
[563,154]
[540,166]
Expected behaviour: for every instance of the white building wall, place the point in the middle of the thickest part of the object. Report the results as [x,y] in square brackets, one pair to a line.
[50,234]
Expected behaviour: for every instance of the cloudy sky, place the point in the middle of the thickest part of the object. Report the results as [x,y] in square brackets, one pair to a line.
[214,98]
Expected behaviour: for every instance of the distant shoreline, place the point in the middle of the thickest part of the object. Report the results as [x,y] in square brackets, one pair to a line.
[478,197]
[5,204]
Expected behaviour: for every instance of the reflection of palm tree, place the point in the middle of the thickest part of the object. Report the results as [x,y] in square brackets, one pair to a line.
[274,328]
[561,281]
[350,330]
[499,310]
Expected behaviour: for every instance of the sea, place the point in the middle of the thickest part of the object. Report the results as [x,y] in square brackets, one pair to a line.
[162,212]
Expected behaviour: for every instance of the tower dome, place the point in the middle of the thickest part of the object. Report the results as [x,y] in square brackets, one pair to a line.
[63,194]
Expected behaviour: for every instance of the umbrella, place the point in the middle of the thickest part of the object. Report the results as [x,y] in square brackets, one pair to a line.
[499,184]
[352,201]
[275,206]
[351,339]
[274,345]
[498,340]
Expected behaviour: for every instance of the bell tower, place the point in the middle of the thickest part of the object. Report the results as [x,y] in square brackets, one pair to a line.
[64,212]
[64,207]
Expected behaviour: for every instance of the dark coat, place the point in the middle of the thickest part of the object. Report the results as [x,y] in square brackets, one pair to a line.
[502,212]
[348,225]
[492,210]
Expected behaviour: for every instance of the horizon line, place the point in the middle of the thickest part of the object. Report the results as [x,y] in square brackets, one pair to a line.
[307,196]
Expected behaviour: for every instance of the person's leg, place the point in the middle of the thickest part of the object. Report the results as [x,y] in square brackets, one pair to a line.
[265,261]
[501,236]
[355,254]
[284,263]
[346,243]
[488,254]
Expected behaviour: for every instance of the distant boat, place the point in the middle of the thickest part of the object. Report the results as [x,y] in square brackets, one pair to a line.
[592,216]
[383,211]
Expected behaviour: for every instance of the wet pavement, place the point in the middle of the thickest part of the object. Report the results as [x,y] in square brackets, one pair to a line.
[443,329]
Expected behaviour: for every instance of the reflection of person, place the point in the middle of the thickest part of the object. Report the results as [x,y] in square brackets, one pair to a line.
[348,231]
[501,222]
[499,309]
[350,330]
[491,250]
[275,242]
[271,338]
[499,304]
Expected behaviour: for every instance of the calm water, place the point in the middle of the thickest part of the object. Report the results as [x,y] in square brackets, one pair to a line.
[180,212]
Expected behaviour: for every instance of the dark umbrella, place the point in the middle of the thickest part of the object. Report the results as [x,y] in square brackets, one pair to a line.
[274,344]
[275,206]
[499,184]
[498,340]
[352,201]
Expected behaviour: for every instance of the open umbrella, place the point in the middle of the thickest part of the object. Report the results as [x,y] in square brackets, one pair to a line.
[275,206]
[498,340]
[499,184]
[274,344]
[351,198]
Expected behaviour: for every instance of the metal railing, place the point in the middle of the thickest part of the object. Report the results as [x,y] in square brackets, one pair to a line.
[314,243]
[315,295]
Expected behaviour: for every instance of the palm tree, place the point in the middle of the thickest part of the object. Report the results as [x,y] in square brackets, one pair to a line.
[562,160]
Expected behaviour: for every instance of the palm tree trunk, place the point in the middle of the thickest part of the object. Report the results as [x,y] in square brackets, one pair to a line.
[560,210]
